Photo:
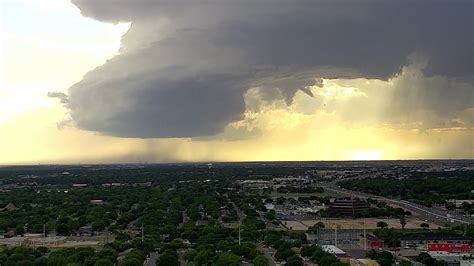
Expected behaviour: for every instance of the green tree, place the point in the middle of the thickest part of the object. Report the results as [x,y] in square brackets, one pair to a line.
[425,258]
[202,257]
[42,249]
[424,225]
[131,262]
[228,259]
[382,224]
[246,249]
[385,258]
[294,261]
[403,221]
[62,229]
[260,260]
[56,259]
[168,259]
[43,261]
[283,253]
[328,260]
[103,262]
[270,215]
[307,251]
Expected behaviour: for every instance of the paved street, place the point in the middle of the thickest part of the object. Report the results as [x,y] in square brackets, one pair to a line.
[181,259]
[151,261]
[268,253]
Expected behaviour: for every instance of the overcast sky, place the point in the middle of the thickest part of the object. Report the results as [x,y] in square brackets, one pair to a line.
[208,80]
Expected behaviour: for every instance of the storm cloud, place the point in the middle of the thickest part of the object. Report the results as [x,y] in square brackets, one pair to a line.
[184,65]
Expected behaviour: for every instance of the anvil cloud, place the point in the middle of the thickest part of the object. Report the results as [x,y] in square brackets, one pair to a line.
[185,66]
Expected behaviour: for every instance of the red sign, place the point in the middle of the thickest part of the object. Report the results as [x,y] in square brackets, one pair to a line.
[448,247]
[375,243]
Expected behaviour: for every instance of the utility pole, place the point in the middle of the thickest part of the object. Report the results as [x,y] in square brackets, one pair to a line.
[335,235]
[350,237]
[318,236]
[365,237]
[239,234]
[44,230]
[143,236]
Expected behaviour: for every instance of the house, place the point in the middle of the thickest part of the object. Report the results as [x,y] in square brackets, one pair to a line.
[97,201]
[10,207]
[85,231]
[11,232]
[363,262]
[77,185]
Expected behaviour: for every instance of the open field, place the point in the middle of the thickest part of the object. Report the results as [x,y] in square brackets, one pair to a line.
[230,225]
[370,223]
[76,244]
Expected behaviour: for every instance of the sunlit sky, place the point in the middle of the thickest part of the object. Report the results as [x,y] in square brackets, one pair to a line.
[48,46]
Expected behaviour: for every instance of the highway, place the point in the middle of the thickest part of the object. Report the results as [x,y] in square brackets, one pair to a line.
[434,215]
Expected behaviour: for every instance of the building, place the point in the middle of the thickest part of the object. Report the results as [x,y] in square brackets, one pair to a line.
[467,262]
[9,207]
[363,262]
[84,231]
[144,184]
[448,247]
[374,242]
[328,237]
[452,259]
[256,184]
[15,241]
[347,206]
[333,250]
[432,238]
[11,232]
[458,203]
[44,241]
[78,185]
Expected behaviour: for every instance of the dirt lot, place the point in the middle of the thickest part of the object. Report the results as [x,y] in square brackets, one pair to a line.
[370,223]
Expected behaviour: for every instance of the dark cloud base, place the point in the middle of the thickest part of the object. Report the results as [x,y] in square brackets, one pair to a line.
[184,66]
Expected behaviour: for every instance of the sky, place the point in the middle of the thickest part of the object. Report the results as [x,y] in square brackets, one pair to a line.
[118,81]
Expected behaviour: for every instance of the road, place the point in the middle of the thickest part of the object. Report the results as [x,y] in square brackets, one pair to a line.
[430,214]
[151,261]
[181,259]
[268,253]
[239,212]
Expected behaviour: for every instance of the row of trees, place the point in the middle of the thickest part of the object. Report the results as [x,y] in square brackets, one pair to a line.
[425,188]
[68,256]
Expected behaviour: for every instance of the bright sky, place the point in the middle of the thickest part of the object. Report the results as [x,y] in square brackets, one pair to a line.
[40,55]
[48,46]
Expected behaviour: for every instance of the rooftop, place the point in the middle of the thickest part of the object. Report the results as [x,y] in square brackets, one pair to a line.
[434,236]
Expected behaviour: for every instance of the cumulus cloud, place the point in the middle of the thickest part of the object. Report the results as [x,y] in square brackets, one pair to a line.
[185,66]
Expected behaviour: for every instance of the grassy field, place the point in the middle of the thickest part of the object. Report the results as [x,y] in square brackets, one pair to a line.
[230,225]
